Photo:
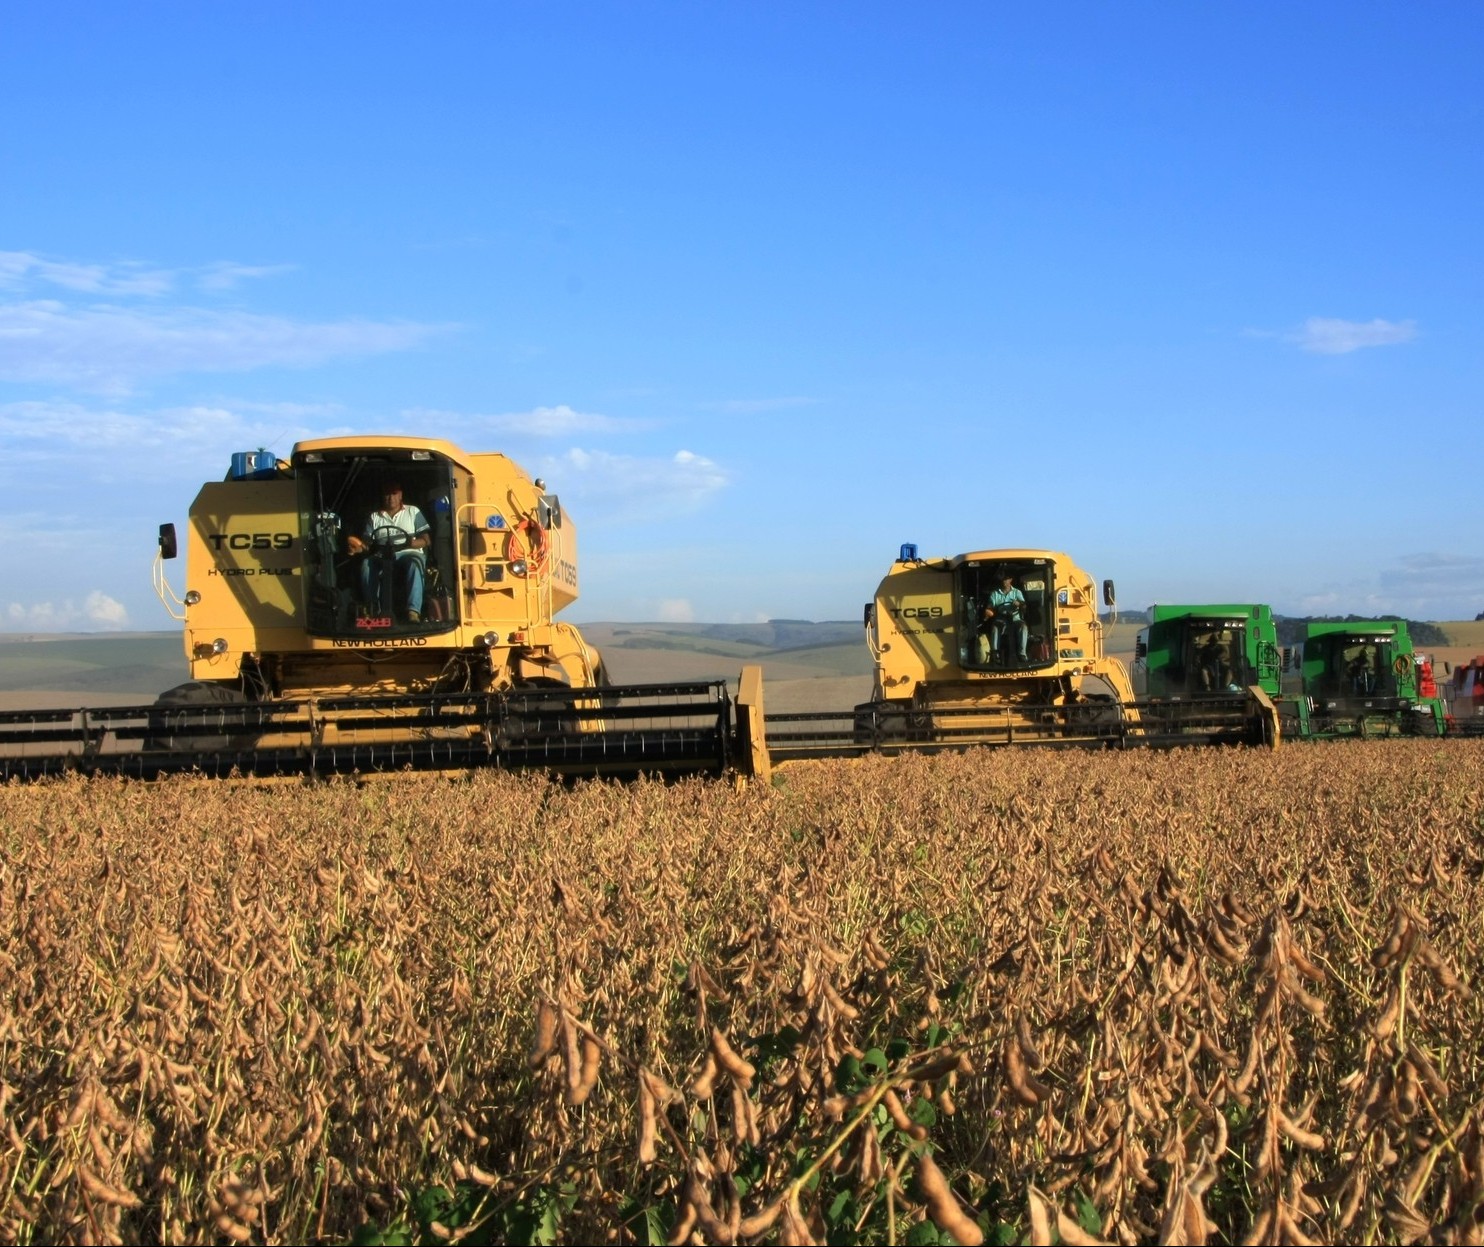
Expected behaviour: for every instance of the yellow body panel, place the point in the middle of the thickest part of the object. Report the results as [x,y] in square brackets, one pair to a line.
[242,557]
[246,552]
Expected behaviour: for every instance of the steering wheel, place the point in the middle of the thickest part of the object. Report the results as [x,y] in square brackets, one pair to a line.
[390,537]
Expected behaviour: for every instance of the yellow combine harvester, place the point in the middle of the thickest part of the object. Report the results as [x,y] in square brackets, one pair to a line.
[374,603]
[1001,647]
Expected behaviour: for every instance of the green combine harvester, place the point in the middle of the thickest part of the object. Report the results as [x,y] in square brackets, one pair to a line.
[1364,678]
[1216,667]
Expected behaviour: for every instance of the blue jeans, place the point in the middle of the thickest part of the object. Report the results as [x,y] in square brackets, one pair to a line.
[1004,629]
[409,575]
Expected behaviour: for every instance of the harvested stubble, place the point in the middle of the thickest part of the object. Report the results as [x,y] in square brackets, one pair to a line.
[1219,995]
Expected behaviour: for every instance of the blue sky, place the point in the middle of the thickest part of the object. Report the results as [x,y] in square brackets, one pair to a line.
[1190,292]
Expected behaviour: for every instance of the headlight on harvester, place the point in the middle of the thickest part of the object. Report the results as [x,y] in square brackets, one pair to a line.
[489,640]
[192,597]
[517,567]
[219,646]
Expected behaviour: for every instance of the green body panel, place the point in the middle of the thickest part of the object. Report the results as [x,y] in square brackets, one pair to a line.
[1177,662]
[1363,678]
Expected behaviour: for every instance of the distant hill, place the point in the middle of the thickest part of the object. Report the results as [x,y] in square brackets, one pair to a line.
[773,636]
[112,663]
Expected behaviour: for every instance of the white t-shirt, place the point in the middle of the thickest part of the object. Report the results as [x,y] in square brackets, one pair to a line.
[408,520]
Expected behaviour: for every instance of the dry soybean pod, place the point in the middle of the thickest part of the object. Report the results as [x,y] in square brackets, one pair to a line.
[234,1230]
[683,1225]
[795,1227]
[544,1043]
[900,1119]
[1293,1131]
[1385,1023]
[705,1082]
[572,1050]
[1040,1211]
[1028,1089]
[648,1114]
[838,1002]
[1436,1087]
[741,1119]
[715,1229]
[737,1068]
[1027,1042]
[762,1220]
[943,1206]
[588,1073]
[100,1190]
[1408,1092]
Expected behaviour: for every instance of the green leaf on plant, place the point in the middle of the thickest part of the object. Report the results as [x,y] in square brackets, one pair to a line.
[1087,1214]
[923,1112]
[848,1075]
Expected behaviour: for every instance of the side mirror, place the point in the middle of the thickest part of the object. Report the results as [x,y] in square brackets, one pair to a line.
[1447,667]
[167,541]
[1109,598]
[1141,649]
[550,511]
[867,620]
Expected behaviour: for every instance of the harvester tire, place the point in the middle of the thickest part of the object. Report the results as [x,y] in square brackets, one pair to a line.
[194,694]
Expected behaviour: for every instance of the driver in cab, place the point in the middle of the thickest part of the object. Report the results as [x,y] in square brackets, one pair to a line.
[1006,622]
[394,539]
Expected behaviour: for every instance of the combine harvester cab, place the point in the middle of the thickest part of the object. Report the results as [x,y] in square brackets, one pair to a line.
[332,627]
[996,647]
[1211,674]
[1362,679]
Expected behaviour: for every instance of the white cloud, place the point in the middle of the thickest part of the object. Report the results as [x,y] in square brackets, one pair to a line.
[1325,603]
[289,410]
[107,347]
[1325,336]
[1417,586]
[18,268]
[102,609]
[1436,586]
[675,610]
[630,485]
[112,443]
[125,277]
[97,610]
[542,422]
[225,274]
[60,429]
